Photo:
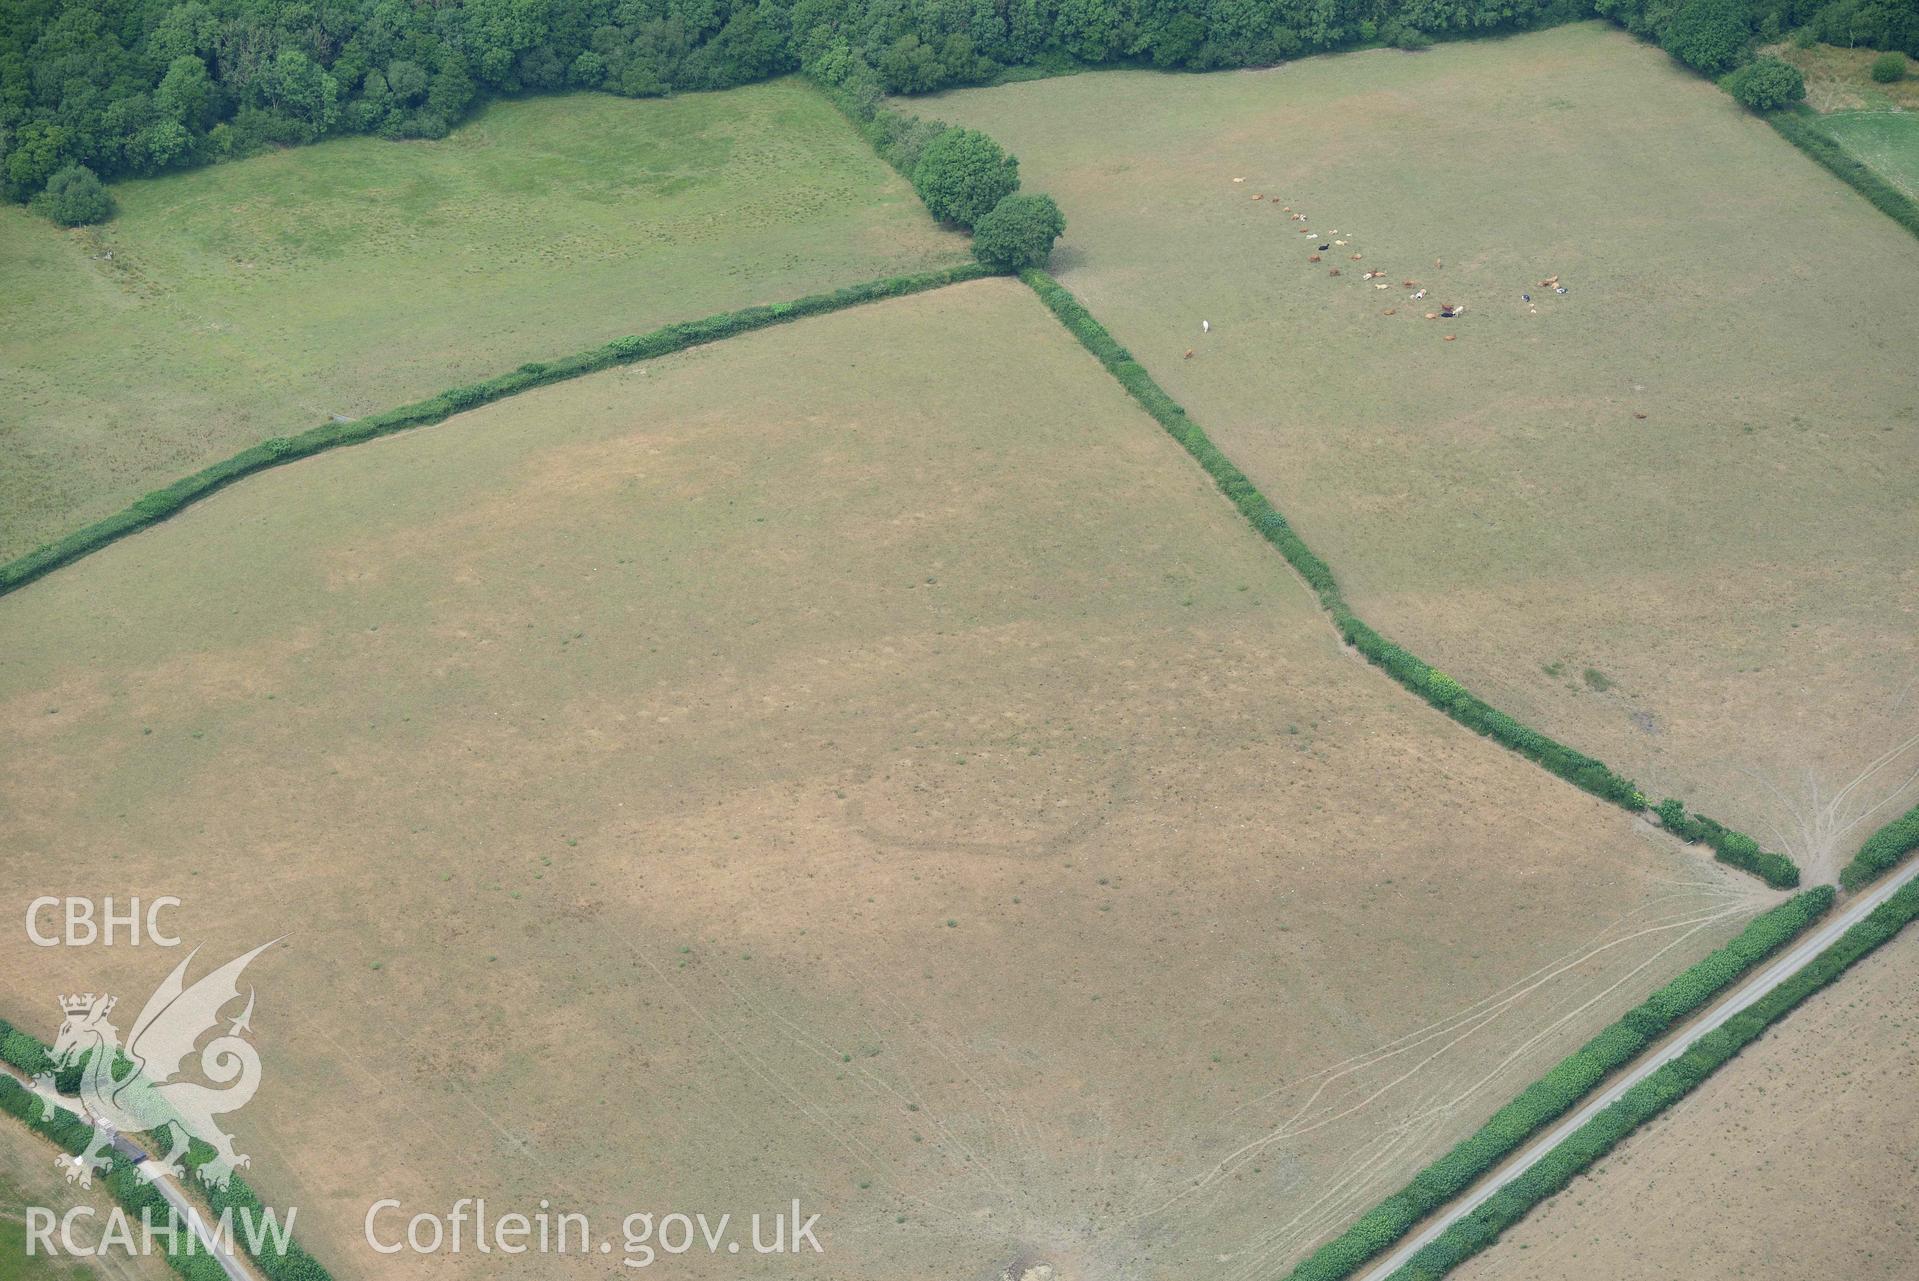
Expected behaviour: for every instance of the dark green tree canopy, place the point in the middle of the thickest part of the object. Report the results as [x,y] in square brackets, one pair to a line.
[1712,36]
[962,174]
[1766,84]
[73,197]
[135,87]
[1019,232]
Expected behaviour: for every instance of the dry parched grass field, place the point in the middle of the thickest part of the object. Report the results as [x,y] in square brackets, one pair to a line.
[800,768]
[231,304]
[28,1179]
[1796,1160]
[1670,517]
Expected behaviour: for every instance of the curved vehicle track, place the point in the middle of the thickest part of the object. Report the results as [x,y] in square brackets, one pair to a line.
[1755,987]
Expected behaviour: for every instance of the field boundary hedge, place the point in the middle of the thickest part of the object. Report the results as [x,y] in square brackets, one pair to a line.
[1882,851]
[183,493]
[1563,1087]
[1659,1091]
[1438,689]
[123,1182]
[1797,127]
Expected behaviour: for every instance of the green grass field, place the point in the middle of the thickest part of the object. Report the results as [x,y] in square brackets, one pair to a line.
[249,300]
[805,766]
[1693,475]
[1888,141]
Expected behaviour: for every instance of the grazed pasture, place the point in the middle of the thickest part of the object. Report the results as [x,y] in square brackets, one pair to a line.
[1797,1159]
[231,304]
[1670,517]
[799,768]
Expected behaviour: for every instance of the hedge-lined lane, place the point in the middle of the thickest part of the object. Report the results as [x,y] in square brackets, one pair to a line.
[162,503]
[1902,834]
[1431,684]
[1569,1082]
[138,1196]
[1659,1091]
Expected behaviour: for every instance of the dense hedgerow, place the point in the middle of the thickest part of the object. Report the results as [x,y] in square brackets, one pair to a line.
[1655,1094]
[1562,1088]
[1431,684]
[1802,130]
[123,1181]
[162,503]
[1728,846]
[1882,851]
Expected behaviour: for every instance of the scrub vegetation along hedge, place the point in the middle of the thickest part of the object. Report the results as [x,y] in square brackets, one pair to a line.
[1883,850]
[1655,1094]
[135,1194]
[1431,684]
[1728,846]
[163,503]
[1557,1092]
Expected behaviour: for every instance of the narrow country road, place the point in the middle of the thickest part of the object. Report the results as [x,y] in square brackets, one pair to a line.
[230,1264]
[1755,986]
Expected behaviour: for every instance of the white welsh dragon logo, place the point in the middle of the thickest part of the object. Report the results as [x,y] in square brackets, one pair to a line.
[131,1089]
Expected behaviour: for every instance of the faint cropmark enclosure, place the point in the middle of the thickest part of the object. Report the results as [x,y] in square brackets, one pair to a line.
[135,1087]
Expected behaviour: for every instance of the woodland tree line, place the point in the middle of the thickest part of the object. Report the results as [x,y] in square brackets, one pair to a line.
[135,87]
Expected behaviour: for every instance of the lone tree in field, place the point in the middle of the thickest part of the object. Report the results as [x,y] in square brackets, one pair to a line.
[1889,68]
[962,174]
[1767,84]
[74,197]
[1018,233]
[1709,35]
